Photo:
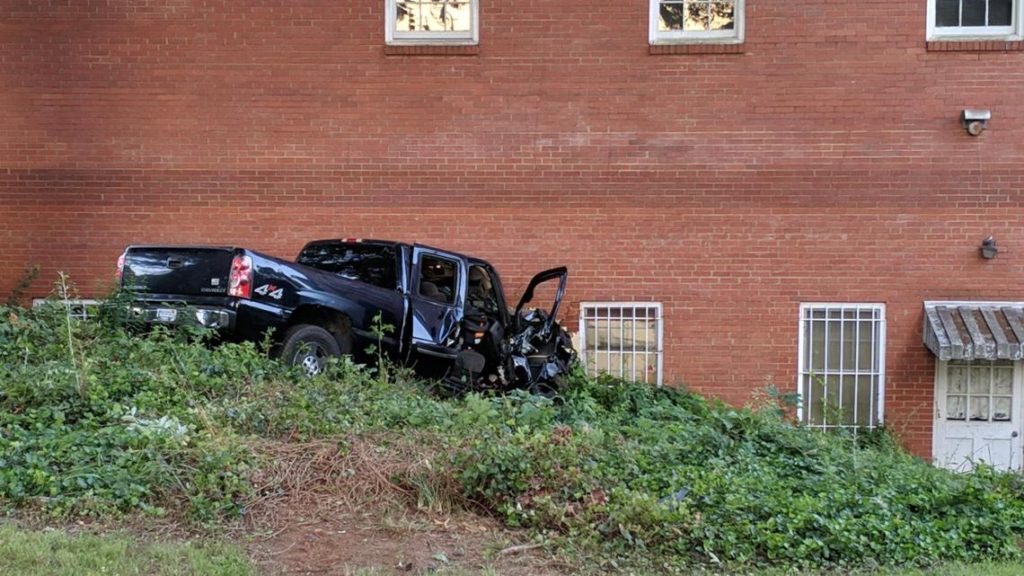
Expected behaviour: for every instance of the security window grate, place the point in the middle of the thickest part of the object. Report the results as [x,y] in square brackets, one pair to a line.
[78,308]
[622,339]
[842,365]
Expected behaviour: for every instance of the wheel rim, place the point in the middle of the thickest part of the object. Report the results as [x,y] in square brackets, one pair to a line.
[311,358]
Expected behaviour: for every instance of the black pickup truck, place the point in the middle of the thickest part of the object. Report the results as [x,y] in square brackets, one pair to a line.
[448,311]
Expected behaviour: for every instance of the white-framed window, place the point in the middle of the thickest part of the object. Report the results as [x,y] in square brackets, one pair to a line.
[978,391]
[969,19]
[82,309]
[696,21]
[432,21]
[841,366]
[623,339]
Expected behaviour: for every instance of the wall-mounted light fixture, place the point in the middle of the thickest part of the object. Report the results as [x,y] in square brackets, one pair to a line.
[988,248]
[975,121]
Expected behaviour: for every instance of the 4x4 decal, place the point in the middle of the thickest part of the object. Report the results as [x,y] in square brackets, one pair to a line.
[270,290]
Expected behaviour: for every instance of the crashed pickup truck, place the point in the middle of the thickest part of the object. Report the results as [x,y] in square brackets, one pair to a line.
[443,313]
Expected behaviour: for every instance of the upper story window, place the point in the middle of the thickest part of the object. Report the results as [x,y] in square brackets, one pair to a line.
[433,21]
[685,21]
[974,19]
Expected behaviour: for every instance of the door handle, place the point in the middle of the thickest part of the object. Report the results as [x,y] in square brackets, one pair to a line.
[1014,434]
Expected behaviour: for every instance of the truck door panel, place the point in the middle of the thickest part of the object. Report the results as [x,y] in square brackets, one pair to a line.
[437,294]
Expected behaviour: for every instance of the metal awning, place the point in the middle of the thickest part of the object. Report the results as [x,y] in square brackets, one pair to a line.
[974,330]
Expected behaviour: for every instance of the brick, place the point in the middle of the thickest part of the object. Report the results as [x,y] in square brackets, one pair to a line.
[824,163]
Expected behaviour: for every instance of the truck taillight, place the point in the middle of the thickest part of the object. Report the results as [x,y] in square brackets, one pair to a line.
[120,266]
[241,277]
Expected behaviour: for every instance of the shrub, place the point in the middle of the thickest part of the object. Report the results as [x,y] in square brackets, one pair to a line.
[96,420]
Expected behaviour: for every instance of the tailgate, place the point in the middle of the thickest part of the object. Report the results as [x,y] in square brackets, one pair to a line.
[186,271]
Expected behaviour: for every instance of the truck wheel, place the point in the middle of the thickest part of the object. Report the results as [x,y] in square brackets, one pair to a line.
[308,346]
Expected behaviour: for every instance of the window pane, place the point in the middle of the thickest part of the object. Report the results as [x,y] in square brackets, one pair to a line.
[406,16]
[1003,381]
[697,13]
[947,12]
[833,401]
[865,359]
[445,17]
[865,400]
[981,380]
[369,263]
[433,16]
[973,13]
[874,400]
[670,17]
[849,345]
[438,279]
[835,334]
[849,400]
[818,346]
[1002,408]
[999,12]
[979,408]
[958,379]
[458,17]
[723,16]
[956,408]
[815,400]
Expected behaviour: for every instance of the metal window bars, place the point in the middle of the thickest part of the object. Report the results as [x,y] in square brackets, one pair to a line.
[80,309]
[841,368]
[622,339]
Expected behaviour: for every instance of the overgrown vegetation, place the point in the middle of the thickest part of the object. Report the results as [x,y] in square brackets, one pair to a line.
[95,420]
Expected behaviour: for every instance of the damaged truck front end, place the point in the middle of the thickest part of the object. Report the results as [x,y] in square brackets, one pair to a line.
[535,353]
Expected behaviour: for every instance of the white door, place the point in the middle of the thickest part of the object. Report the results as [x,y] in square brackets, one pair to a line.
[977,414]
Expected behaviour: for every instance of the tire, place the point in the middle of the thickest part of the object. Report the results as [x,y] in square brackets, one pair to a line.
[309,347]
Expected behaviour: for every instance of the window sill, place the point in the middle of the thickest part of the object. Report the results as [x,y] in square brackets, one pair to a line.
[702,48]
[431,49]
[974,46]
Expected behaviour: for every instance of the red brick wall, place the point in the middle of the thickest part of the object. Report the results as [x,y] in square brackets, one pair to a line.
[823,163]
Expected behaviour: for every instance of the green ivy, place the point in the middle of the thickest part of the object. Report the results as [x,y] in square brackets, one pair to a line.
[102,419]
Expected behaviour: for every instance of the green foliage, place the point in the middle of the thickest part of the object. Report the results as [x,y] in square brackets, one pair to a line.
[628,469]
[97,419]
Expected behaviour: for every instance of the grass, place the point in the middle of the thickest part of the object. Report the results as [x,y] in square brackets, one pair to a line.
[28,552]
[56,553]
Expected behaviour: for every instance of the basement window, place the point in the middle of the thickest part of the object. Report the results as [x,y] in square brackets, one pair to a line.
[432,22]
[841,367]
[696,21]
[622,339]
[974,19]
[80,309]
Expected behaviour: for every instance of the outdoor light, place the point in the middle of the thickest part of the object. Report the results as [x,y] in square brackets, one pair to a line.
[988,248]
[975,121]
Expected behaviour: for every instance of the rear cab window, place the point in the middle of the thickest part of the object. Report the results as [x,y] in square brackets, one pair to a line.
[375,264]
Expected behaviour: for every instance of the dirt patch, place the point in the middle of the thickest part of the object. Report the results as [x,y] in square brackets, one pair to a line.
[375,505]
[361,506]
[400,544]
